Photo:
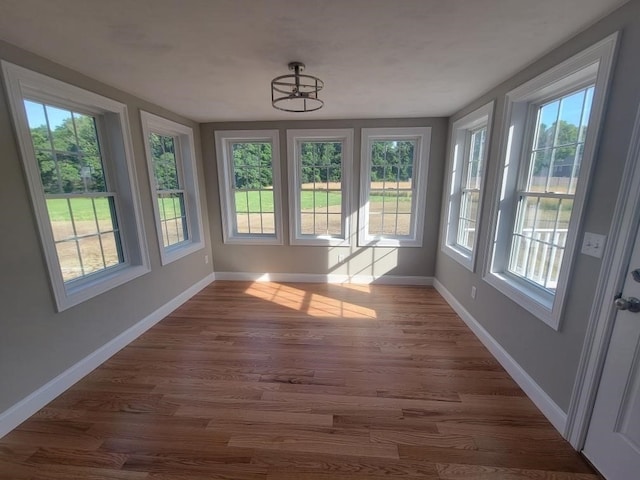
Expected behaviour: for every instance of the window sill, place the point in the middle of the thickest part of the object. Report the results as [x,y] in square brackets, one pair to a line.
[178,251]
[253,240]
[75,293]
[541,306]
[388,242]
[464,258]
[320,241]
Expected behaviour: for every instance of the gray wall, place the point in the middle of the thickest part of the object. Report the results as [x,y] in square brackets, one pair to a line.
[36,343]
[322,260]
[551,357]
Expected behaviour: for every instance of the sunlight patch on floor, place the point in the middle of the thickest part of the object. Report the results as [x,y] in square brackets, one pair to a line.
[312,304]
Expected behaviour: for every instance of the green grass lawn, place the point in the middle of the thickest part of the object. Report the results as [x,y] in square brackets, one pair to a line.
[245,201]
[83,209]
[251,201]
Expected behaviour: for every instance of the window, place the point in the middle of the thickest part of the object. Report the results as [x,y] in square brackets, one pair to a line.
[319,167]
[249,176]
[393,186]
[174,184]
[76,151]
[467,164]
[548,149]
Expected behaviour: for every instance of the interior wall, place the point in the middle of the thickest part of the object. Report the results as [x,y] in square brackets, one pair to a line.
[366,261]
[551,357]
[36,342]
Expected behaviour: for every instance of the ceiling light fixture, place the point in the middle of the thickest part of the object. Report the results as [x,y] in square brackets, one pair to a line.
[296,92]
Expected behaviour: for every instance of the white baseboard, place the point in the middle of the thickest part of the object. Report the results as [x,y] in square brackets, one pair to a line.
[18,413]
[538,396]
[324,278]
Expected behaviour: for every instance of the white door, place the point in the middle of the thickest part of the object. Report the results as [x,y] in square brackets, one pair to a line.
[613,439]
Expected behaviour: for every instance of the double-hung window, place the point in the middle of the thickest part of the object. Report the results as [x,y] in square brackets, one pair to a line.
[174,184]
[552,125]
[319,167]
[76,151]
[249,179]
[394,164]
[467,164]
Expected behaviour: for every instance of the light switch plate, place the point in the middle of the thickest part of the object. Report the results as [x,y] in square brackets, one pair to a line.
[593,244]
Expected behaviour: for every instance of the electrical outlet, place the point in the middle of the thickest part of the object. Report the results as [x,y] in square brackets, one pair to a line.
[593,244]
[473,292]
[340,257]
[206,259]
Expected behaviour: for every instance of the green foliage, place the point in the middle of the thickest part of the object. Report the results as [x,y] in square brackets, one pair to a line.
[392,161]
[58,209]
[164,162]
[563,155]
[252,165]
[321,162]
[82,210]
[75,152]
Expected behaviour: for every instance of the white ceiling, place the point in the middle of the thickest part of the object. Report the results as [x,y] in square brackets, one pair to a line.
[213,60]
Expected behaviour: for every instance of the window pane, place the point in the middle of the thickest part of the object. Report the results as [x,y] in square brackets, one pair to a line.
[390,194]
[165,168]
[253,187]
[60,218]
[469,205]
[242,223]
[69,259]
[84,216]
[307,223]
[321,224]
[335,224]
[266,199]
[268,223]
[110,248]
[546,127]
[476,154]
[173,220]
[62,129]
[105,208]
[466,234]
[67,149]
[91,254]
[255,223]
[543,217]
[555,161]
[320,168]
[403,224]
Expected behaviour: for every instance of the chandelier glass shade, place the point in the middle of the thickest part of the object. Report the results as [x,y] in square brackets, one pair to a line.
[296,92]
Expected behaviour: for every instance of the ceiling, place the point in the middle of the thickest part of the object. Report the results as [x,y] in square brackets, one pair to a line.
[213,60]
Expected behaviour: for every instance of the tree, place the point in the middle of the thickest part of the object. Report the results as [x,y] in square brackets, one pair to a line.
[252,165]
[563,155]
[67,152]
[392,161]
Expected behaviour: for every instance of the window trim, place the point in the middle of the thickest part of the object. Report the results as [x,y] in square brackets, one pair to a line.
[422,135]
[458,155]
[223,139]
[22,83]
[345,136]
[187,173]
[593,63]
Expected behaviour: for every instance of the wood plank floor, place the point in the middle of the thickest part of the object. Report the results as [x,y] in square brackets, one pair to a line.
[296,381]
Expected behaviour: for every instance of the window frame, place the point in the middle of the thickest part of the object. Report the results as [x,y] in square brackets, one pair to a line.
[187,172]
[591,66]
[294,138]
[422,136]
[459,150]
[224,139]
[117,155]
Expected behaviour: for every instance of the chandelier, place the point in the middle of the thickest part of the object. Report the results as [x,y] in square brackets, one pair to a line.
[296,92]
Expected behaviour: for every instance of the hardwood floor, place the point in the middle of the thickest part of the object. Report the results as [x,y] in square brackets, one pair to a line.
[296,381]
